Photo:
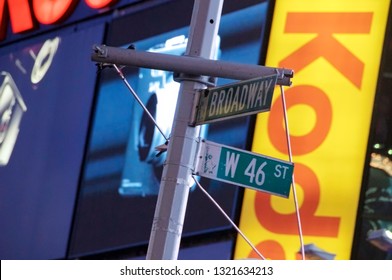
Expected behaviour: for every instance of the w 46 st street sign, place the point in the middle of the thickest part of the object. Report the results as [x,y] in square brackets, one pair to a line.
[244,168]
[235,100]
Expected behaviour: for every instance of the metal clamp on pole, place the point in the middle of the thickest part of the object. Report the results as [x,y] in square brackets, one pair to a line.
[208,81]
[189,65]
[100,51]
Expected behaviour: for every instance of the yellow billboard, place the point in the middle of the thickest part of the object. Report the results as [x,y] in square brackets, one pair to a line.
[334,47]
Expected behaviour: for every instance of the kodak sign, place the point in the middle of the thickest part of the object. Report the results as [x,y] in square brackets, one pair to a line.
[23,15]
[334,47]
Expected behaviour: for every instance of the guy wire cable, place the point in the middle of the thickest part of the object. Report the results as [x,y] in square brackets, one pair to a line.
[138,100]
[293,179]
[228,218]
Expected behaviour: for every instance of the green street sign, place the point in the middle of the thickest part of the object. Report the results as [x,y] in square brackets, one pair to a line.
[244,168]
[235,100]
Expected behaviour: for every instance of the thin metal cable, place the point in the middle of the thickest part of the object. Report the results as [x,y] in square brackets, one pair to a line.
[293,179]
[228,218]
[138,100]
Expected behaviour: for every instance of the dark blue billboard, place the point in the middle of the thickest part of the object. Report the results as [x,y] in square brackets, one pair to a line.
[46,94]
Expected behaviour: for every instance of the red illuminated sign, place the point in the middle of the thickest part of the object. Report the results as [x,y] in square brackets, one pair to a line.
[23,14]
[98,4]
[49,11]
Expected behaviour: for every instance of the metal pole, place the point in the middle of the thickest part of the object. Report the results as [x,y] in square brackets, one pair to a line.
[190,64]
[177,173]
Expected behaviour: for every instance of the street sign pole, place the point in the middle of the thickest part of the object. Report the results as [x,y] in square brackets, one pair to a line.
[193,70]
[176,178]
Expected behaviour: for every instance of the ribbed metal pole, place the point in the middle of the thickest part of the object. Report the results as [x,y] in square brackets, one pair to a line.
[177,172]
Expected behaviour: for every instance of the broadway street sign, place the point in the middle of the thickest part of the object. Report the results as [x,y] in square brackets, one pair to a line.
[243,168]
[235,100]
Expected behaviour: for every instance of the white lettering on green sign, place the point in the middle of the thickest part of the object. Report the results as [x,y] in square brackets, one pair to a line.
[238,98]
[244,168]
[234,100]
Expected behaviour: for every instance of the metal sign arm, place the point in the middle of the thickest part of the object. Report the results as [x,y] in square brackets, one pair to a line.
[188,64]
